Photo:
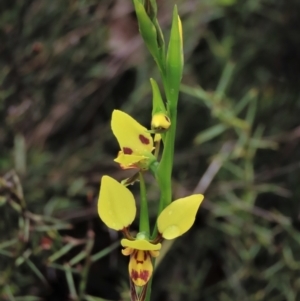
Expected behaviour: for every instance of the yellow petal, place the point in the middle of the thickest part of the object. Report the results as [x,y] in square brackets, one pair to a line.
[144,245]
[179,216]
[132,136]
[130,161]
[127,251]
[154,253]
[116,205]
[140,267]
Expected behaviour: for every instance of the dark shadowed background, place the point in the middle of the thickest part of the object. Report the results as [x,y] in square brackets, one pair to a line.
[65,65]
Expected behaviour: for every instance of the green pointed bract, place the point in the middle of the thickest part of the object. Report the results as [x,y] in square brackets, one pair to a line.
[158,105]
[179,216]
[174,63]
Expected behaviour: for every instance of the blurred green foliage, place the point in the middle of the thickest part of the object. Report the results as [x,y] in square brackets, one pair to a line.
[65,65]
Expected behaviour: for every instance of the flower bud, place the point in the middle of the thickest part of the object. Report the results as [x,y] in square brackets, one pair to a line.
[160,123]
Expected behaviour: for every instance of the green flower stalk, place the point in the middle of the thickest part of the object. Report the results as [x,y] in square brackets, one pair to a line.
[171,81]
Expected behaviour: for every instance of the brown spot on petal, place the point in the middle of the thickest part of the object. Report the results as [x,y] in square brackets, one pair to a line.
[144,140]
[127,151]
[167,118]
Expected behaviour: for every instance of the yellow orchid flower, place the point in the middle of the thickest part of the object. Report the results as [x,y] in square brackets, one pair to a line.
[141,250]
[135,142]
[117,209]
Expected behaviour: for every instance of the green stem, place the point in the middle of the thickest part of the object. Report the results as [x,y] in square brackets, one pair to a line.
[164,171]
[144,216]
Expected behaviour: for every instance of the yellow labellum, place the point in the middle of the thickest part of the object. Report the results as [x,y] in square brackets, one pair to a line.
[179,216]
[140,267]
[116,205]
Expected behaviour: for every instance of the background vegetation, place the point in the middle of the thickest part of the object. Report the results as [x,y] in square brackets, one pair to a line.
[65,65]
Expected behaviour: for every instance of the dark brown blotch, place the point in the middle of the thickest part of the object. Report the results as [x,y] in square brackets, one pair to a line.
[144,140]
[127,150]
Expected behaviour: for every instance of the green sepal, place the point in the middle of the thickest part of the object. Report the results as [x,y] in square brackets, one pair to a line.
[174,62]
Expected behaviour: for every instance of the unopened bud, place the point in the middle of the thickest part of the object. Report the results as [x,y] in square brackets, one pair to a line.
[160,123]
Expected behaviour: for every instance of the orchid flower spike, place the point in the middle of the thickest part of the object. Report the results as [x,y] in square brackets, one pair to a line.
[117,209]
